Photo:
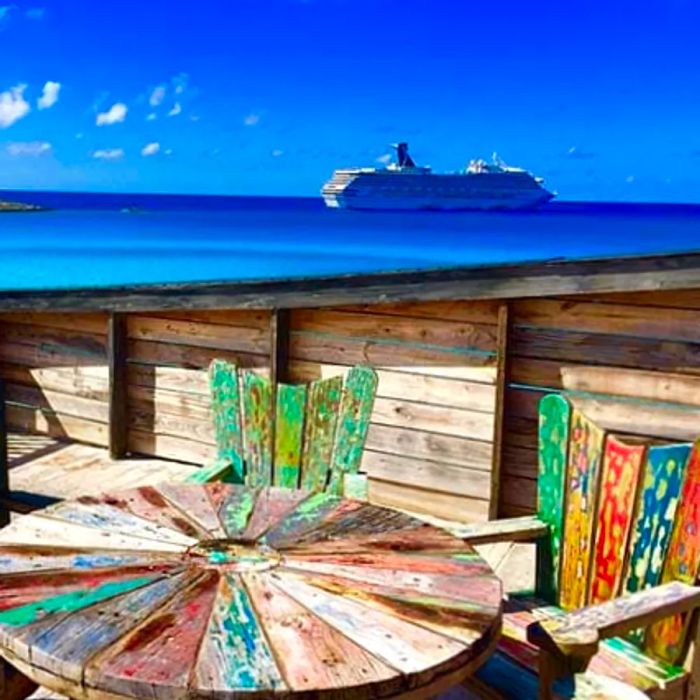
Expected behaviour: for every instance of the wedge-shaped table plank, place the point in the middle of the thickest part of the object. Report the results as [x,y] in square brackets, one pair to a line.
[220,591]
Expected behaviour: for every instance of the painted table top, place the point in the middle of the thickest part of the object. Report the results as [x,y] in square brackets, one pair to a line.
[218,591]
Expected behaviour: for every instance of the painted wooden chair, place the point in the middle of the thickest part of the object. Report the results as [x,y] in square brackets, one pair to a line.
[618,541]
[290,435]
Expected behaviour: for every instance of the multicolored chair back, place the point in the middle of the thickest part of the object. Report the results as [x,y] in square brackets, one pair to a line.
[292,435]
[624,516]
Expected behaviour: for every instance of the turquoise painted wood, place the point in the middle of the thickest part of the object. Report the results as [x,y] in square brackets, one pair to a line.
[290,435]
[623,520]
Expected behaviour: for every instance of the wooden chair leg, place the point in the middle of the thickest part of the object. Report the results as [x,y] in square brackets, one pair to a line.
[4,461]
[13,684]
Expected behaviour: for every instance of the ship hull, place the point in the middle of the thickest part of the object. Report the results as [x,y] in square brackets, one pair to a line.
[409,190]
[338,201]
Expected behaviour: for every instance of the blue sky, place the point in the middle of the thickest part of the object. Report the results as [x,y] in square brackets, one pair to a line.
[602,98]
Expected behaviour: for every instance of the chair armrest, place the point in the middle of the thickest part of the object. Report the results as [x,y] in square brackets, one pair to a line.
[220,470]
[526,529]
[573,638]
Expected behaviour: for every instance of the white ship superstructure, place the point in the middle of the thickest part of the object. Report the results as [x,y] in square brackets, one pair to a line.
[405,185]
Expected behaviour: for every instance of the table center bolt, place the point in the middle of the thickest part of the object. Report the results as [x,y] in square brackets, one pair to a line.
[234,555]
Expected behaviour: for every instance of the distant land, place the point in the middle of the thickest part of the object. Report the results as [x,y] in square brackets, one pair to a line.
[8,207]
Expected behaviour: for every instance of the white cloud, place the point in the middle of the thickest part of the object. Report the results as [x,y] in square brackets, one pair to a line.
[251,119]
[116,113]
[35,13]
[13,106]
[277,152]
[5,11]
[386,159]
[168,151]
[177,108]
[180,83]
[630,179]
[108,154]
[151,117]
[157,96]
[150,149]
[28,148]
[49,95]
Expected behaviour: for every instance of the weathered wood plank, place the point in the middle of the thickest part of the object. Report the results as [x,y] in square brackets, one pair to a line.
[552,461]
[319,432]
[197,504]
[234,625]
[665,639]
[459,310]
[662,479]
[4,464]
[353,421]
[118,406]
[228,421]
[289,433]
[237,504]
[583,476]
[621,470]
[303,649]
[156,658]
[272,504]
[504,322]
[257,395]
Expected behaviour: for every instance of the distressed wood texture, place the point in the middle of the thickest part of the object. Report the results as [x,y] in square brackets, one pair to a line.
[317,434]
[630,361]
[629,564]
[430,442]
[217,590]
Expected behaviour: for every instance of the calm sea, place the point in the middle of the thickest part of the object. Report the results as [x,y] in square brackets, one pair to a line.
[109,239]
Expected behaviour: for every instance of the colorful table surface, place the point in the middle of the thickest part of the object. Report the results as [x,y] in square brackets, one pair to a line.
[219,591]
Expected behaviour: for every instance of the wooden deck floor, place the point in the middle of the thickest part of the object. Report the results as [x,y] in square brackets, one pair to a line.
[43,469]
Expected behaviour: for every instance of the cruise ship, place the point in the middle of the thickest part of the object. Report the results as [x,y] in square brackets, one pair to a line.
[404,185]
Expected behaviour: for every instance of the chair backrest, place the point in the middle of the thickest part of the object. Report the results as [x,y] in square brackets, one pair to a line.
[624,516]
[292,435]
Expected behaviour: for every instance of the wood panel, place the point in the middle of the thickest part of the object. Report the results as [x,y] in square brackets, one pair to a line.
[168,392]
[55,369]
[430,442]
[630,362]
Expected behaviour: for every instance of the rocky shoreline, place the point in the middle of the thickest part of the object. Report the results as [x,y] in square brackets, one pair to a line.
[7,207]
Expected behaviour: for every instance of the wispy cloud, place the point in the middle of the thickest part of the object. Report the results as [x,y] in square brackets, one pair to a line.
[150,149]
[49,95]
[577,154]
[151,117]
[28,148]
[251,119]
[180,83]
[13,106]
[108,154]
[5,12]
[157,96]
[630,179]
[385,158]
[116,113]
[177,108]
[37,13]
[277,152]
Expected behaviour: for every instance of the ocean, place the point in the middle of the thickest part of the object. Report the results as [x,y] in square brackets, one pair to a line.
[95,240]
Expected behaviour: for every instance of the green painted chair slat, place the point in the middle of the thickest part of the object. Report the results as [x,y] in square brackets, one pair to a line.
[289,433]
[581,510]
[313,432]
[257,428]
[665,639]
[228,426]
[555,415]
[319,432]
[353,423]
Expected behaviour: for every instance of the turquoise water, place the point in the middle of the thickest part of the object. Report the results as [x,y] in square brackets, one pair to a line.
[92,241]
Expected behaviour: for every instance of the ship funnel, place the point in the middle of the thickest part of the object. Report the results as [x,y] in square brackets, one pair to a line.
[405,161]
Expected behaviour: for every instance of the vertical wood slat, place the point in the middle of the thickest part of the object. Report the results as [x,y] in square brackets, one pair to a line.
[498,426]
[279,346]
[4,463]
[118,395]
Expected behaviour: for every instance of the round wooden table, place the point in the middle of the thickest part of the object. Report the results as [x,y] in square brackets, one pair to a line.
[220,591]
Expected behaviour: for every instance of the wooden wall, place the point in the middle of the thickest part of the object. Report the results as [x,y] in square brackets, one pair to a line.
[55,372]
[168,395]
[631,362]
[430,442]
